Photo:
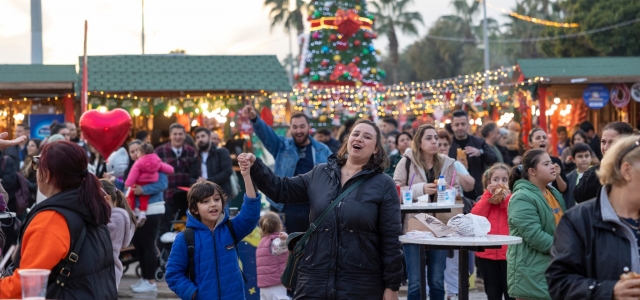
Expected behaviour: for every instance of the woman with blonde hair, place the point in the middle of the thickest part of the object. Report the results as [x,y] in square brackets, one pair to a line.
[596,243]
[420,168]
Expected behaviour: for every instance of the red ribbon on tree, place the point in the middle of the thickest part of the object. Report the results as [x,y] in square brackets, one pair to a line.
[347,22]
[341,68]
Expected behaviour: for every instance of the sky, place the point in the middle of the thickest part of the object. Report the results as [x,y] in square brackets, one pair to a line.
[201,27]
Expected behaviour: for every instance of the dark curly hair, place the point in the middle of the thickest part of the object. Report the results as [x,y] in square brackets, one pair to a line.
[202,190]
[378,161]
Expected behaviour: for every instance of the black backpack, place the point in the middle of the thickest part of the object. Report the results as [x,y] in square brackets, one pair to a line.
[189,238]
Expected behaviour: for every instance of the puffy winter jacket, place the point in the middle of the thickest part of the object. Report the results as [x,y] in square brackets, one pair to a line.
[146,168]
[355,252]
[531,218]
[216,261]
[591,249]
[497,216]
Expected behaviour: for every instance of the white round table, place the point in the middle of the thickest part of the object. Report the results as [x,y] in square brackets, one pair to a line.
[464,245]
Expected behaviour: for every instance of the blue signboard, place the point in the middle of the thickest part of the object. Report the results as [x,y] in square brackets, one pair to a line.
[40,124]
[596,96]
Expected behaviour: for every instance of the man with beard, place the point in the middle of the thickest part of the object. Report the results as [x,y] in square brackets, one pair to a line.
[213,163]
[295,155]
[475,149]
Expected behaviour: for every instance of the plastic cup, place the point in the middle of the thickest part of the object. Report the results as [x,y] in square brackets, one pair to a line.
[407,195]
[451,196]
[34,283]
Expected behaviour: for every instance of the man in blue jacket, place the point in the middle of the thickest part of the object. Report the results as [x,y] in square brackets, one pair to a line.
[295,155]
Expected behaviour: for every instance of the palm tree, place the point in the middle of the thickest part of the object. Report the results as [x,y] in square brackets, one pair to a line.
[391,14]
[290,19]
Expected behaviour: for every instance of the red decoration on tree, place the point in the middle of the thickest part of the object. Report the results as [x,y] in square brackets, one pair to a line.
[307,70]
[366,35]
[356,43]
[356,59]
[374,36]
[266,115]
[447,95]
[351,68]
[324,63]
[347,22]
[296,77]
[333,37]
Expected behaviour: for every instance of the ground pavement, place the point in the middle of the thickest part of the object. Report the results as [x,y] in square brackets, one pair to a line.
[129,278]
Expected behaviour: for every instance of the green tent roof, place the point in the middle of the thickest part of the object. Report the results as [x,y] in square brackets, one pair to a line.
[37,73]
[157,73]
[604,69]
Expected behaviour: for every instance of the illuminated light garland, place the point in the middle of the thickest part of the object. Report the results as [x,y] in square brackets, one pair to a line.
[533,20]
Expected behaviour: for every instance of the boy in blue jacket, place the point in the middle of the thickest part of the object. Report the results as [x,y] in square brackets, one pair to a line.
[216,269]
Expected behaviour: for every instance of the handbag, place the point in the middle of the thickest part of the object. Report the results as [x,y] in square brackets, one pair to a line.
[297,241]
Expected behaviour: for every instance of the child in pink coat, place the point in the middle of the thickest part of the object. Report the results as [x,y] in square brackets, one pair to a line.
[144,171]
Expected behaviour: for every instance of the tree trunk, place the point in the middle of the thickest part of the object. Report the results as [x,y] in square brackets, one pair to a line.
[393,52]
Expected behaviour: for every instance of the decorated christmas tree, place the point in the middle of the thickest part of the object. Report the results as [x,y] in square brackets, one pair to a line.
[340,46]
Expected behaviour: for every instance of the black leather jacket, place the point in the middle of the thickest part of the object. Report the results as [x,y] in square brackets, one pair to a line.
[355,253]
[591,249]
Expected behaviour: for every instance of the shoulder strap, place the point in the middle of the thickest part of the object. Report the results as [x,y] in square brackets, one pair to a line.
[233,233]
[191,248]
[407,166]
[303,241]
[71,259]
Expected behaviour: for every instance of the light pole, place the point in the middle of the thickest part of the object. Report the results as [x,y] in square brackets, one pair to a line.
[142,26]
[486,45]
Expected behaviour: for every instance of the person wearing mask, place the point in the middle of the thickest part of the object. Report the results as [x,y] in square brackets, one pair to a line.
[355,253]
[596,243]
[403,142]
[426,165]
[294,156]
[182,158]
[588,186]
[33,149]
[594,139]
[491,134]
[19,152]
[389,126]
[477,152]
[66,234]
[213,164]
[534,210]
[538,140]
[324,136]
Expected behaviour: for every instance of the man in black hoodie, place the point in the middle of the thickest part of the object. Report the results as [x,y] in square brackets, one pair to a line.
[478,152]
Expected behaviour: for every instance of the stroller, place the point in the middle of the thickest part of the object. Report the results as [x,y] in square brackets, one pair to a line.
[128,254]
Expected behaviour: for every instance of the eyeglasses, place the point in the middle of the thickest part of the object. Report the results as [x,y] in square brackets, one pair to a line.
[34,162]
[636,144]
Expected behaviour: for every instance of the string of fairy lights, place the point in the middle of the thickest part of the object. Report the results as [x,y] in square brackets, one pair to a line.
[533,20]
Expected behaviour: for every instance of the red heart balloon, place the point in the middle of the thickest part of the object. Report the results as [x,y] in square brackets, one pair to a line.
[105,131]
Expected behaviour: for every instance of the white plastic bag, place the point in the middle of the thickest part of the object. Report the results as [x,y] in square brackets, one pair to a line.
[470,225]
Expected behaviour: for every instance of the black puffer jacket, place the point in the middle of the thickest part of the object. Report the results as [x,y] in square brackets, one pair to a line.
[93,275]
[588,186]
[355,253]
[591,249]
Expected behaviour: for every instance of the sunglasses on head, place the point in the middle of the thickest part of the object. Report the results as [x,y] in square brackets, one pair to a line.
[34,162]
[636,144]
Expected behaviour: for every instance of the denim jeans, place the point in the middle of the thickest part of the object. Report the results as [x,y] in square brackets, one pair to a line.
[436,263]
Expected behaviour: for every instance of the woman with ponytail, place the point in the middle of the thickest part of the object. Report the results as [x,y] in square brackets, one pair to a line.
[535,208]
[67,233]
[122,224]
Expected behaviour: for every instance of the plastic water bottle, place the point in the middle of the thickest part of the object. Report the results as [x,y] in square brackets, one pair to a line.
[442,190]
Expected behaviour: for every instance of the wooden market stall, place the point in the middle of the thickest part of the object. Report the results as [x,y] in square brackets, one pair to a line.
[45,90]
[572,90]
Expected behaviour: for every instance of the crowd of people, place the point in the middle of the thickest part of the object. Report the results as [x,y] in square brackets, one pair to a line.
[77,209]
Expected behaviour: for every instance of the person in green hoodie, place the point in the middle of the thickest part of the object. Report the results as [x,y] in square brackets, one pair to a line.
[534,211]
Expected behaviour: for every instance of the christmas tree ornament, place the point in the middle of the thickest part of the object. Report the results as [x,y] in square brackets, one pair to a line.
[356,59]
[374,36]
[347,21]
[371,48]
[358,7]
[333,37]
[324,49]
[356,43]
[382,73]
[336,58]
[365,51]
[307,70]
[316,14]
[374,71]
[366,35]
[377,51]
[315,77]
[316,35]
[324,63]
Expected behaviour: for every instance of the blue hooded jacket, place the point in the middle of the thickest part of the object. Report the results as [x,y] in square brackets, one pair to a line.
[216,261]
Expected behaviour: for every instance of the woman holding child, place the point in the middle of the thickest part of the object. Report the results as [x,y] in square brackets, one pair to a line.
[355,253]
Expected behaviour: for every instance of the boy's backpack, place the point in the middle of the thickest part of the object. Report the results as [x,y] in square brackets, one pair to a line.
[189,238]
[21,190]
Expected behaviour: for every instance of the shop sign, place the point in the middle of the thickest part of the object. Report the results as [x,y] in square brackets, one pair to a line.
[40,125]
[596,96]
[620,95]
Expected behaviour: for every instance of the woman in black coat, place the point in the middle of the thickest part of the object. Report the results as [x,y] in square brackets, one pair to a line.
[597,241]
[355,252]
